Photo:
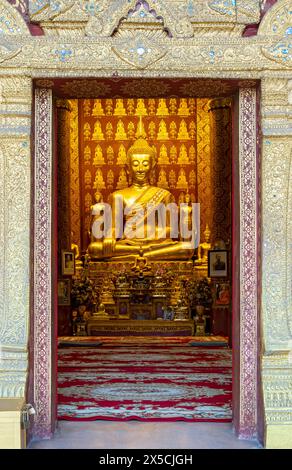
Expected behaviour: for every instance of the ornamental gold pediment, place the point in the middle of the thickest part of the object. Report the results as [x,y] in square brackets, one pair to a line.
[139,50]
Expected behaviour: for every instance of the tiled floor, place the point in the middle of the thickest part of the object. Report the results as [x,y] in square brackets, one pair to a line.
[141,435]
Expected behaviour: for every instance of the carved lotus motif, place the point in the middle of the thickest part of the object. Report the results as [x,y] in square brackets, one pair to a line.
[8,51]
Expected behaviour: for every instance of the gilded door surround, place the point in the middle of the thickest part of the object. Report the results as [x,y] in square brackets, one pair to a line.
[100,49]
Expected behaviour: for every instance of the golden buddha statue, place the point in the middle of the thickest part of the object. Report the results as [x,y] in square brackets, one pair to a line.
[98,109]
[121,133]
[122,155]
[204,248]
[162,179]
[119,109]
[162,109]
[182,180]
[163,157]
[98,158]
[183,133]
[133,233]
[101,314]
[99,181]
[183,109]
[183,155]
[141,108]
[97,134]
[162,132]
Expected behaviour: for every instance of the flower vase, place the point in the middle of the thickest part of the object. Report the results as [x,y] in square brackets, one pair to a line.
[200,321]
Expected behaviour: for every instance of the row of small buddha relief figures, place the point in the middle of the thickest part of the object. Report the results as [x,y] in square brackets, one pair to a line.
[140,107]
[97,130]
[185,156]
[108,180]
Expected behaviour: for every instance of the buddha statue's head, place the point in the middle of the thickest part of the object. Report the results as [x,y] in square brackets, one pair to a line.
[141,157]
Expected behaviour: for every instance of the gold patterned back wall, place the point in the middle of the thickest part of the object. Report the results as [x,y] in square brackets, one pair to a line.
[178,128]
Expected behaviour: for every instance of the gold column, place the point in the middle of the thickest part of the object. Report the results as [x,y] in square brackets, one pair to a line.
[220,123]
[63,151]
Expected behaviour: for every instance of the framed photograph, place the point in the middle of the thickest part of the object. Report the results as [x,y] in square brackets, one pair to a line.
[217,263]
[64,291]
[68,263]
[222,294]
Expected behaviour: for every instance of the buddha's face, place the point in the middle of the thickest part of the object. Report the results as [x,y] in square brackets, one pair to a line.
[140,166]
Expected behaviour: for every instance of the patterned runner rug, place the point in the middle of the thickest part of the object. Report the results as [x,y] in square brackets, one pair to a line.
[142,382]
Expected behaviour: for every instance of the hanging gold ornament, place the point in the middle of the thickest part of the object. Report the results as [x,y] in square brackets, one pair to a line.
[86,107]
[87,179]
[173,154]
[172,179]
[172,105]
[87,155]
[109,107]
[192,154]
[110,155]
[110,179]
[121,133]
[87,201]
[162,109]
[98,157]
[151,107]
[183,131]
[131,130]
[192,130]
[97,134]
[183,109]
[97,109]
[131,106]
[109,132]
[162,132]
[152,130]
[192,105]
[172,130]
[87,131]
[141,109]
[119,109]
[99,181]
[192,179]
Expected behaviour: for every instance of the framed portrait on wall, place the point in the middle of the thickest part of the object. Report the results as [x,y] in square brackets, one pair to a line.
[217,263]
[64,291]
[68,263]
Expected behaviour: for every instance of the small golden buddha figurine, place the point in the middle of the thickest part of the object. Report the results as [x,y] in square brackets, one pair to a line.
[121,133]
[95,210]
[162,132]
[152,130]
[75,249]
[101,314]
[97,134]
[110,155]
[109,132]
[204,248]
[172,130]
[182,180]
[87,131]
[98,158]
[173,154]
[141,108]
[122,241]
[183,109]
[99,181]
[162,109]
[162,180]
[183,155]
[122,156]
[119,109]
[97,109]
[163,157]
[87,155]
[183,131]
[122,181]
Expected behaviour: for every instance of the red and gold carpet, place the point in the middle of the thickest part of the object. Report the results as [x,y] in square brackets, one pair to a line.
[145,382]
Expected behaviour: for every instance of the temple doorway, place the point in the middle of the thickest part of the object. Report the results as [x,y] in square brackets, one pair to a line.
[194,127]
